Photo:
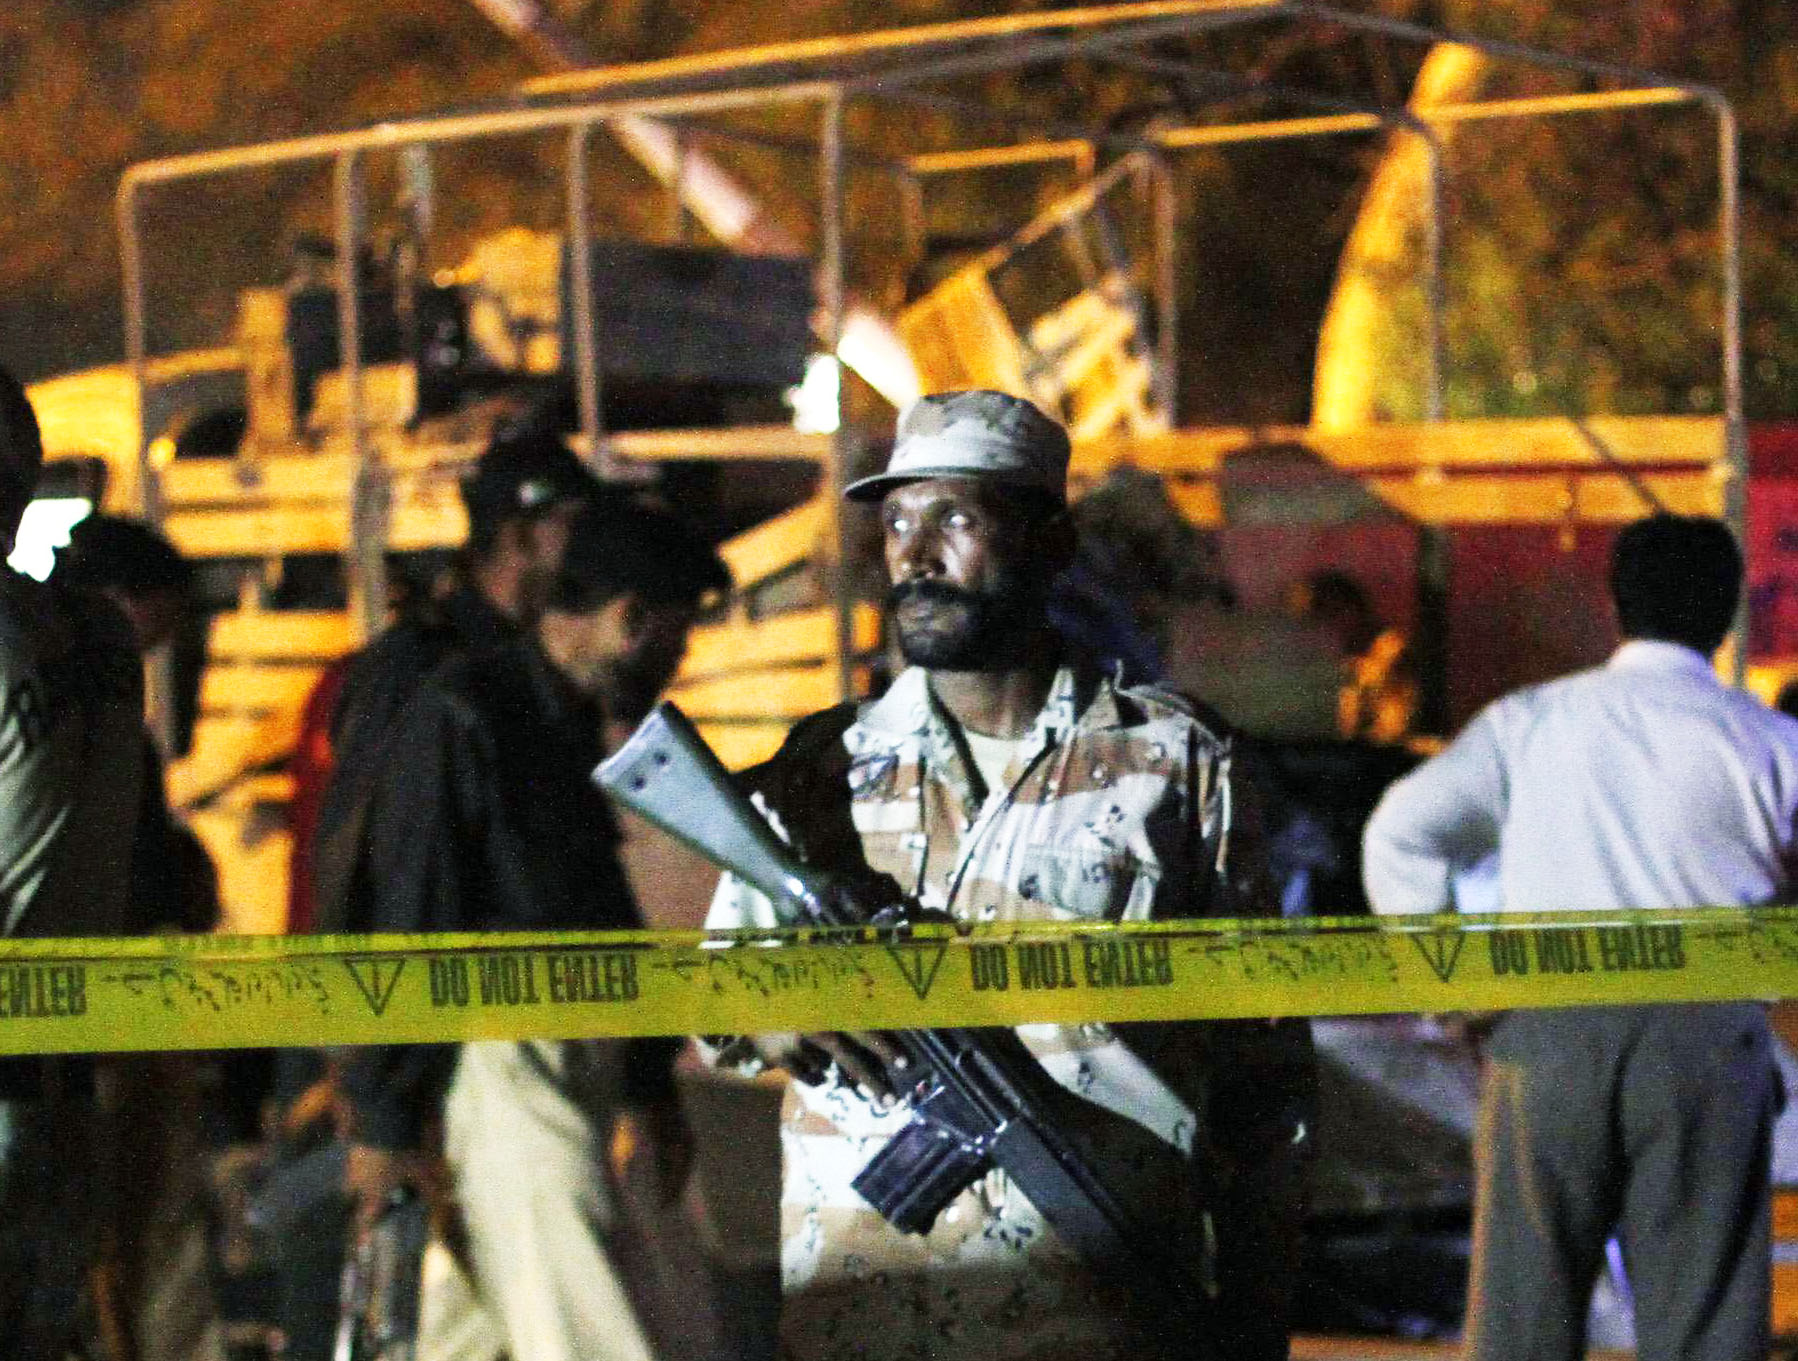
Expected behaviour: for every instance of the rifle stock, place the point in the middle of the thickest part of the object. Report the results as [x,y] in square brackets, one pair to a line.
[667,775]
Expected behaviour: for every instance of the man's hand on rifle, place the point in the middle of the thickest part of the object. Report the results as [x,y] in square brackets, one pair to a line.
[865,1059]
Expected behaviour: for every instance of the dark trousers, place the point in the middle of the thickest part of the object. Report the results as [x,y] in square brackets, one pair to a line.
[48,1206]
[1650,1122]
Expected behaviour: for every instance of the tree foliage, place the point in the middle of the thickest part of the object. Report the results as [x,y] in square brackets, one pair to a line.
[1583,253]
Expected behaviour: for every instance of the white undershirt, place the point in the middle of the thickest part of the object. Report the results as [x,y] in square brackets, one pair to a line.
[992,758]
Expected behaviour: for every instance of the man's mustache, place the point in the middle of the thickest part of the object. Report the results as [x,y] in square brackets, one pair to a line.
[925,590]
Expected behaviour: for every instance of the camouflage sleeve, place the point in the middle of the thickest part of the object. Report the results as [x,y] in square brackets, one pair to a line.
[1223,812]
[1259,1077]
[1245,887]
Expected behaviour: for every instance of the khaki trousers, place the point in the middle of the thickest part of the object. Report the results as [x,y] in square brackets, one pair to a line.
[526,1127]
[1654,1122]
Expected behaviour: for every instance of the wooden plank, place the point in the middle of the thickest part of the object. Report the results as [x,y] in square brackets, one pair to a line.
[226,688]
[227,748]
[1079,333]
[983,158]
[426,472]
[274,786]
[429,471]
[252,870]
[960,336]
[437,522]
[1529,499]
[1785,1216]
[259,532]
[779,640]
[229,481]
[389,397]
[1785,1299]
[1490,444]
[787,693]
[744,441]
[1545,499]
[774,545]
[1450,445]
[740,745]
[280,634]
[1115,394]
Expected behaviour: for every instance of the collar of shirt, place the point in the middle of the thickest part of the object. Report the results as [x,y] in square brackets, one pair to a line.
[1650,654]
[910,710]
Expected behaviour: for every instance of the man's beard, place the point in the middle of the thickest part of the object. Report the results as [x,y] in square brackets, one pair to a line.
[962,630]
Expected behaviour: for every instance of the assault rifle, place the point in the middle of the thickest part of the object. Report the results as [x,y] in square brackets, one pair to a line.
[979,1098]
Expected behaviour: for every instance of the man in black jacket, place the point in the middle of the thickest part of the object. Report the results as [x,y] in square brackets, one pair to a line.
[483,818]
[521,498]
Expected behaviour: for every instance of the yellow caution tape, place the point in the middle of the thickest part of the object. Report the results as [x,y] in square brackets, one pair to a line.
[206,992]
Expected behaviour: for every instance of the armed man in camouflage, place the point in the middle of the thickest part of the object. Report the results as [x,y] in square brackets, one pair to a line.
[1000,779]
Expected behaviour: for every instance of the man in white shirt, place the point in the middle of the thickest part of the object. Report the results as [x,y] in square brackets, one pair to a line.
[1644,783]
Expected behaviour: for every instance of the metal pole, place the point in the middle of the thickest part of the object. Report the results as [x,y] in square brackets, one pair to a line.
[1436,282]
[913,221]
[1735,428]
[1167,291]
[743,66]
[1498,47]
[1039,51]
[443,129]
[131,270]
[583,323]
[1435,551]
[831,285]
[677,188]
[159,675]
[368,518]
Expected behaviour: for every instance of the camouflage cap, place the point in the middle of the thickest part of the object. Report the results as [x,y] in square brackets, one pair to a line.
[990,435]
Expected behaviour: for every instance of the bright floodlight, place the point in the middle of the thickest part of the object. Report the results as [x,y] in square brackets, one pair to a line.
[816,401]
[44,529]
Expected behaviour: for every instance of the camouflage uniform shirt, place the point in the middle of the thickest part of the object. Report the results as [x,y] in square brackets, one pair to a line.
[1117,807]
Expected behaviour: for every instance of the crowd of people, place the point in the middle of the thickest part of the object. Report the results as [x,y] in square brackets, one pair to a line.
[1040,752]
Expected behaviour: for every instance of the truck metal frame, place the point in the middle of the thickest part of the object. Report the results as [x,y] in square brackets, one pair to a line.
[1603,469]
